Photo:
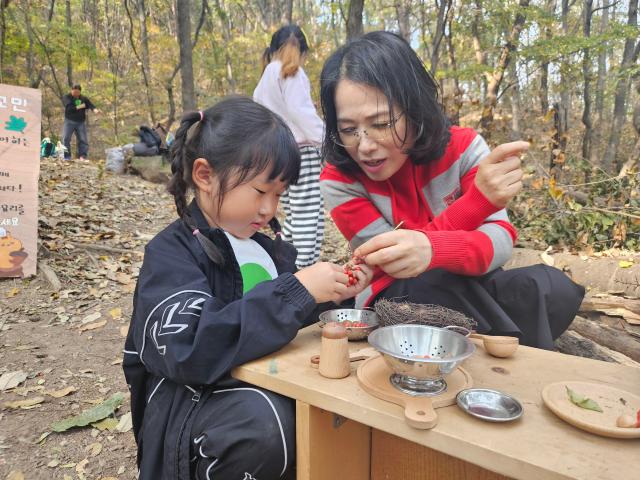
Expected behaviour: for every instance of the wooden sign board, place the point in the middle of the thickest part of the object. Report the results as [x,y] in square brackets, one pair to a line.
[20,117]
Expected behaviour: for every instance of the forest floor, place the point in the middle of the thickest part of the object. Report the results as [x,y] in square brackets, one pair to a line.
[63,348]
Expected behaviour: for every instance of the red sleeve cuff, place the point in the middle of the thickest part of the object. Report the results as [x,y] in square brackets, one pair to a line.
[456,252]
[467,213]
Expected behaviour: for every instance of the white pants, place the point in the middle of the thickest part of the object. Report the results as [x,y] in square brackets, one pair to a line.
[304,209]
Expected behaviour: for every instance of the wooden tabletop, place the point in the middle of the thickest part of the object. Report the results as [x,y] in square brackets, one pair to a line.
[538,446]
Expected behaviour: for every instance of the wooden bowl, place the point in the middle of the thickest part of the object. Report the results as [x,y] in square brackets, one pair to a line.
[501,347]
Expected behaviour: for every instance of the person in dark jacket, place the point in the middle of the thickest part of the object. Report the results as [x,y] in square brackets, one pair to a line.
[213,293]
[75,121]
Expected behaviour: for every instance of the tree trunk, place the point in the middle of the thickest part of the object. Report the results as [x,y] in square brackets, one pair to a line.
[550,6]
[146,63]
[515,104]
[143,60]
[602,64]
[558,141]
[491,99]
[564,106]
[34,82]
[443,12]
[113,68]
[622,87]
[354,19]
[183,12]
[403,14]
[289,11]
[456,100]
[481,54]
[587,139]
[226,36]
[334,27]
[69,43]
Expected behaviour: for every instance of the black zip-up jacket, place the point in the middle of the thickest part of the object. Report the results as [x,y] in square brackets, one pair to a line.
[73,113]
[190,326]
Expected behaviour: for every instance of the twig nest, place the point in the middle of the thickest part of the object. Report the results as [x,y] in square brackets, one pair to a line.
[396,312]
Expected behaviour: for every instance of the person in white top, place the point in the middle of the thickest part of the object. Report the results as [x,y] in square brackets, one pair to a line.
[284,89]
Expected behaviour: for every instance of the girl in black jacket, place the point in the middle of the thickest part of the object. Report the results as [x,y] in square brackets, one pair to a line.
[214,293]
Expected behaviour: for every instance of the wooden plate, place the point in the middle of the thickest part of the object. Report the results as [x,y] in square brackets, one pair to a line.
[610,400]
[419,411]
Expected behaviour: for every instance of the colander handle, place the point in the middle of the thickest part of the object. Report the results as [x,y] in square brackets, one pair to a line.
[419,413]
[458,329]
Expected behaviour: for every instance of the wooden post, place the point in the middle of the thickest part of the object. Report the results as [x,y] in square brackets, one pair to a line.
[330,447]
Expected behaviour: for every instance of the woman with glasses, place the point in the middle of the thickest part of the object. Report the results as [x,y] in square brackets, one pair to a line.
[393,158]
[285,89]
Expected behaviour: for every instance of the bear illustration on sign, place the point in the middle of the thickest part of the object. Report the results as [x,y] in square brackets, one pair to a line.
[12,255]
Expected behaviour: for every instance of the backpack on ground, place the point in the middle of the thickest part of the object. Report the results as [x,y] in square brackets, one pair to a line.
[47,148]
[149,137]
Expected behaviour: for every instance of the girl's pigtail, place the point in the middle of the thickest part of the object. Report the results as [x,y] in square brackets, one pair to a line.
[277,231]
[178,186]
[209,247]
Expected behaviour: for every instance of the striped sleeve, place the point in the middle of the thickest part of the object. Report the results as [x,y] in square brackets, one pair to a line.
[351,209]
[470,236]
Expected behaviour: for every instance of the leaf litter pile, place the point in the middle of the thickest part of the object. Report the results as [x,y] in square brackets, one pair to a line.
[62,332]
[64,405]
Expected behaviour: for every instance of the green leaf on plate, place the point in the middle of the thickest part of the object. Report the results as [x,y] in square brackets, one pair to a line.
[582,401]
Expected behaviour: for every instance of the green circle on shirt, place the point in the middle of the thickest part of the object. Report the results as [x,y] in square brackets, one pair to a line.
[252,275]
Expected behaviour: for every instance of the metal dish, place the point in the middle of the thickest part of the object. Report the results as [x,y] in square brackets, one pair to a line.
[342,315]
[420,356]
[490,405]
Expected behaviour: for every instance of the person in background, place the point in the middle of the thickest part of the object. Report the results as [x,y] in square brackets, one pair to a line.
[215,292]
[75,121]
[285,89]
[393,157]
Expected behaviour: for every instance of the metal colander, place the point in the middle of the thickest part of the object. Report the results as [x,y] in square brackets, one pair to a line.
[420,356]
[354,315]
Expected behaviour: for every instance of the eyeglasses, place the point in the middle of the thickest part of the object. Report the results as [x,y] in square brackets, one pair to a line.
[378,132]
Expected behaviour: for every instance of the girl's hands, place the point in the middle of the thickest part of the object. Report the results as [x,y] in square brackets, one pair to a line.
[499,176]
[400,253]
[325,281]
[328,282]
[362,275]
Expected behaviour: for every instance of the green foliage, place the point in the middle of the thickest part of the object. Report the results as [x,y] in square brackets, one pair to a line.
[610,218]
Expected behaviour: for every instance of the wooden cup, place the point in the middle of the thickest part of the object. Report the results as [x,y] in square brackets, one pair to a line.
[334,351]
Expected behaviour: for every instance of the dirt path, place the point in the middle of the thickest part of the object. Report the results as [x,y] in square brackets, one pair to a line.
[74,337]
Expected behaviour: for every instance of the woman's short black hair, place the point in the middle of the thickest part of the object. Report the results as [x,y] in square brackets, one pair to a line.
[385,61]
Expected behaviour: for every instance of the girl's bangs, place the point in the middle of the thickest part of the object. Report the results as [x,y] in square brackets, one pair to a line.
[277,151]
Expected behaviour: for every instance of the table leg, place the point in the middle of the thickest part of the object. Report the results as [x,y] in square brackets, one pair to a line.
[394,458]
[330,447]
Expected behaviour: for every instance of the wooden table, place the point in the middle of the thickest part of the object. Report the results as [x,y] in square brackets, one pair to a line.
[345,433]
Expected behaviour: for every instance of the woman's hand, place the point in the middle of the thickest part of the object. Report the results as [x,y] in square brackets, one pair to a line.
[326,282]
[499,176]
[400,253]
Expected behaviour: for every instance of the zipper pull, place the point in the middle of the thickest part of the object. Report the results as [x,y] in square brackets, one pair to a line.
[196,396]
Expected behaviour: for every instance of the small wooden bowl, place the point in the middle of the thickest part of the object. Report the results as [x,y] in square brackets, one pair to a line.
[501,347]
